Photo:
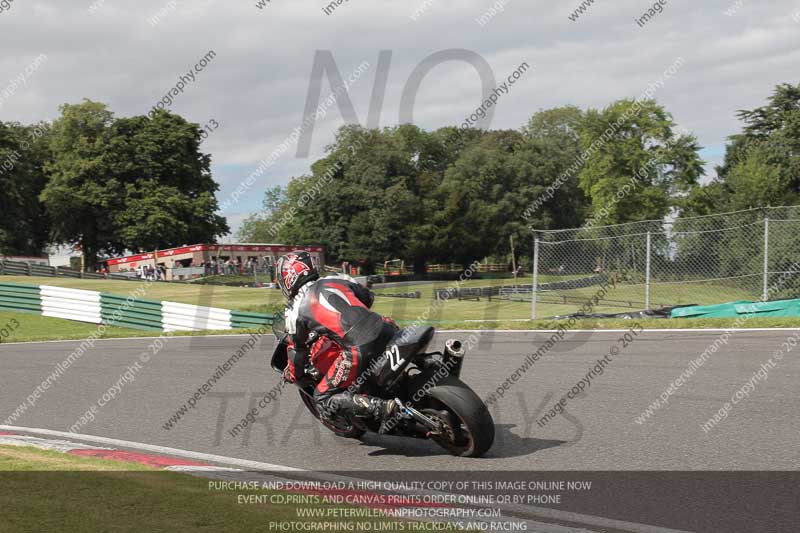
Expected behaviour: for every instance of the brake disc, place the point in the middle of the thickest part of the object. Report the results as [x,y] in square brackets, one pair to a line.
[445,427]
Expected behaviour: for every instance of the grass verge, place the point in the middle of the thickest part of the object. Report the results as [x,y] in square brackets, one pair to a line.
[618,323]
[452,314]
[51,491]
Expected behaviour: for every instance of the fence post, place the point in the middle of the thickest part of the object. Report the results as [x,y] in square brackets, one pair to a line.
[535,285]
[647,275]
[765,292]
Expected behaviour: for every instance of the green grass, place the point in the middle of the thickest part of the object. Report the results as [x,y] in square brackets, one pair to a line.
[450,314]
[427,288]
[241,279]
[51,491]
[622,298]
[619,323]
[41,328]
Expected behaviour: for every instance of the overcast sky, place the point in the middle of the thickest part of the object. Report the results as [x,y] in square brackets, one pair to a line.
[130,54]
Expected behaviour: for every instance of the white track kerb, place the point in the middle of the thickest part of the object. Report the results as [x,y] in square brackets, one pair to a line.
[175,452]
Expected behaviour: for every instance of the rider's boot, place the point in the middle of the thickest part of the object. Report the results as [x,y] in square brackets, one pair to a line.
[383,411]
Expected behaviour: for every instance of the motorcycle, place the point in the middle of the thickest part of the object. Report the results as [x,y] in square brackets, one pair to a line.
[433,402]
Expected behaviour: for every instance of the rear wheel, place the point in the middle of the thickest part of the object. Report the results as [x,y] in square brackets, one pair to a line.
[340,427]
[468,427]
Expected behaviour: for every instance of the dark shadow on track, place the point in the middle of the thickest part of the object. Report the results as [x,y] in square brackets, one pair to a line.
[506,444]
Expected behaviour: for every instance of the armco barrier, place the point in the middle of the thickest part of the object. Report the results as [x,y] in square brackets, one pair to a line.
[68,272]
[20,297]
[14,268]
[72,304]
[242,319]
[42,270]
[115,310]
[21,268]
[185,317]
[129,312]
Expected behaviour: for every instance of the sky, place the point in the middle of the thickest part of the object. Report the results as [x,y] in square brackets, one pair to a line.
[258,57]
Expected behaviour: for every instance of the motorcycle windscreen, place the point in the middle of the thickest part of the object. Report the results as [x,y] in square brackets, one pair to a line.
[280,356]
[400,351]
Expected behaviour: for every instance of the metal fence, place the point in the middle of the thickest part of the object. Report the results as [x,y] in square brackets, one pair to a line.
[743,255]
[22,268]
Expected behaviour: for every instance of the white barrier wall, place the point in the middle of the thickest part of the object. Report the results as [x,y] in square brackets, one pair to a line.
[186,317]
[72,304]
[102,308]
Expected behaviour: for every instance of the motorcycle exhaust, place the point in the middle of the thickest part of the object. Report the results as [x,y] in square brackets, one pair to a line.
[454,353]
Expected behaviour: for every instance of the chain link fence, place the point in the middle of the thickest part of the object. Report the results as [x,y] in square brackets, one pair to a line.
[681,261]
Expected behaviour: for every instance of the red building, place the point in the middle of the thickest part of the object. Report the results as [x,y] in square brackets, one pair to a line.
[195,260]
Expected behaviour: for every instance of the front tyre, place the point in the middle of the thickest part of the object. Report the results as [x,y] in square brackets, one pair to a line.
[469,427]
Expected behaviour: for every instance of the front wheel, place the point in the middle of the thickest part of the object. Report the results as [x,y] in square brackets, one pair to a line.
[347,430]
[468,425]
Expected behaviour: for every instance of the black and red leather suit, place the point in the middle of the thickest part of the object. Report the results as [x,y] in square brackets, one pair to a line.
[330,325]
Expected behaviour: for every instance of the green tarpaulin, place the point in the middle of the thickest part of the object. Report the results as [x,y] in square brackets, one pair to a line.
[741,308]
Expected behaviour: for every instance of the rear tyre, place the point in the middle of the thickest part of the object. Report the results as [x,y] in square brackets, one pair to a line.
[348,431]
[469,425]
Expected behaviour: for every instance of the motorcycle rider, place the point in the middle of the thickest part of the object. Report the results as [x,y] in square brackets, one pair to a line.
[330,325]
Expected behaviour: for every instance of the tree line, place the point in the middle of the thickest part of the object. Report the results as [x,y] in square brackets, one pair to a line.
[111,184]
[105,184]
[459,194]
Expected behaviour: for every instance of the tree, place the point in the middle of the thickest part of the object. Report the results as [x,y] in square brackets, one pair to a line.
[133,183]
[459,194]
[553,149]
[484,192]
[169,194]
[761,169]
[79,195]
[762,162]
[258,227]
[634,143]
[24,225]
[371,198]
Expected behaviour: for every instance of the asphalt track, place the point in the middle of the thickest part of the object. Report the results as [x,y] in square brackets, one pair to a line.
[597,432]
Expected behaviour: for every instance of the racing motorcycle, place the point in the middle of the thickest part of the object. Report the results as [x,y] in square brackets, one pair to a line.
[434,403]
